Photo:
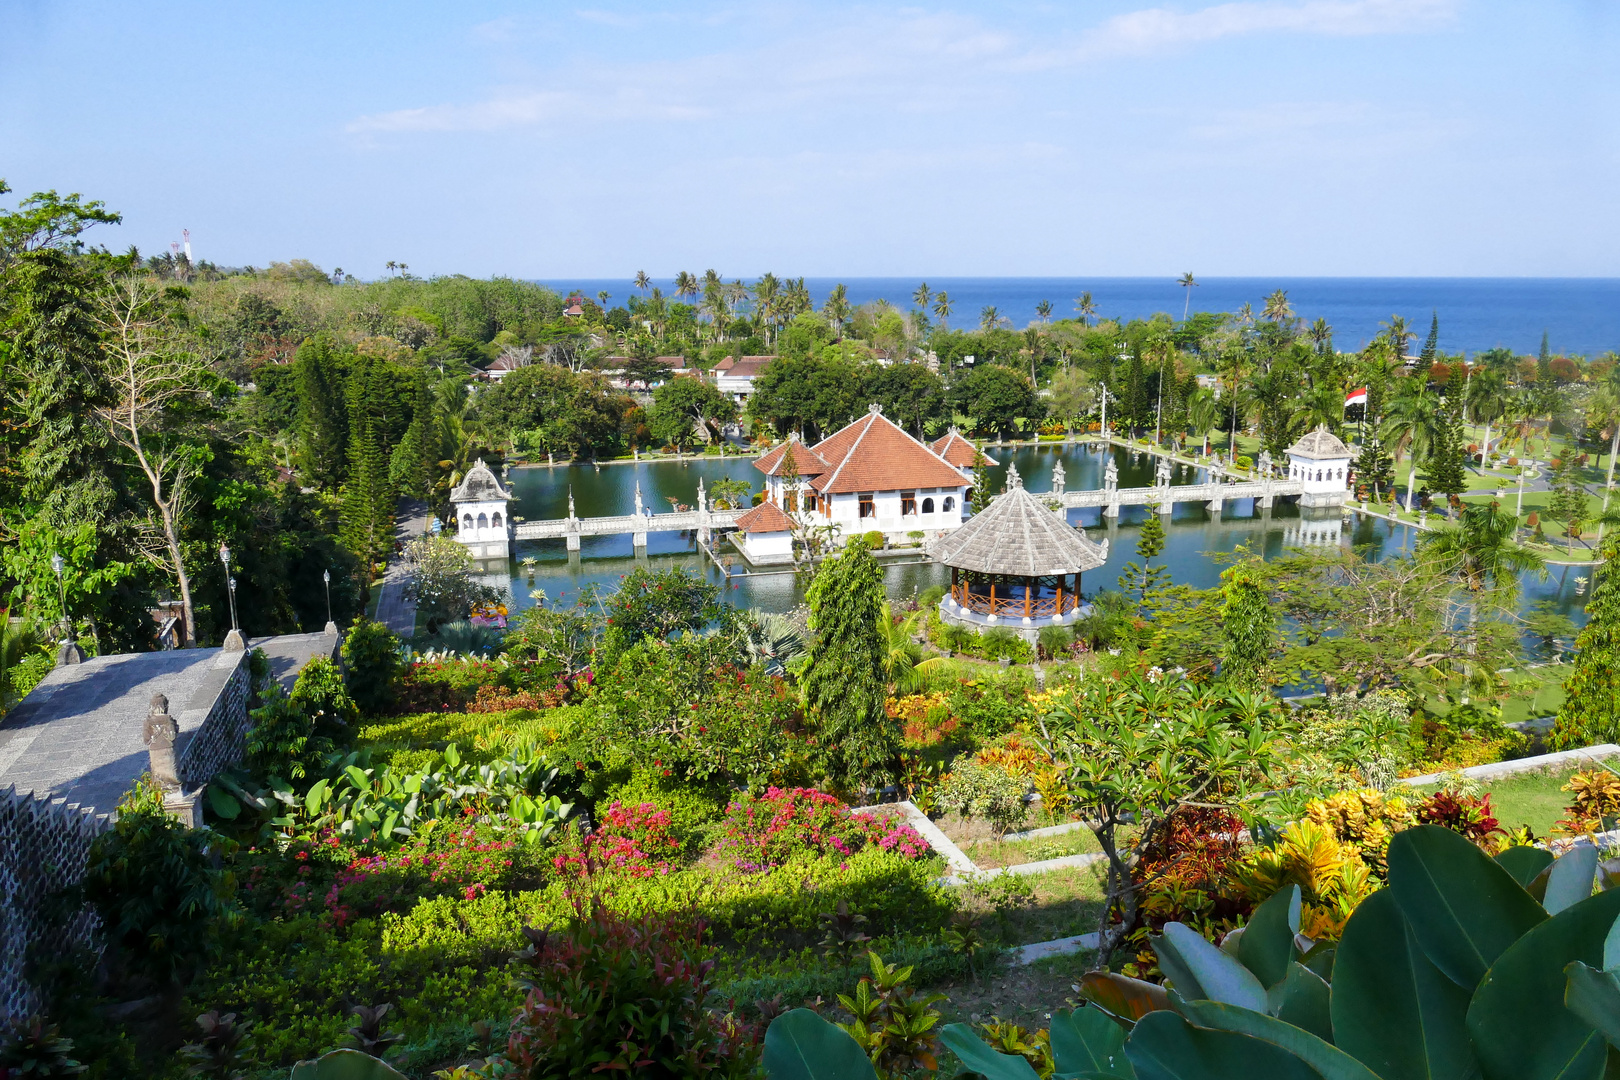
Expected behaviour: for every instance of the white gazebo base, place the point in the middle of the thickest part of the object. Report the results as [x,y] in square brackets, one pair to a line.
[1312,499]
[493,547]
[1026,626]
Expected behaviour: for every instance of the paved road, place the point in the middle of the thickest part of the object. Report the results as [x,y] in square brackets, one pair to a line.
[395,610]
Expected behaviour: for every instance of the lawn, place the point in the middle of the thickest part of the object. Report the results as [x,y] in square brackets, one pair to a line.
[1534,799]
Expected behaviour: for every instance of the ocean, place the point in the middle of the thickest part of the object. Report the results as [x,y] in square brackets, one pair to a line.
[1581,316]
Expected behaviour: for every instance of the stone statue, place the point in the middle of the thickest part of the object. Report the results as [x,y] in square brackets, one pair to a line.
[1111,474]
[159,735]
[1161,473]
[1265,462]
[1013,479]
[1058,481]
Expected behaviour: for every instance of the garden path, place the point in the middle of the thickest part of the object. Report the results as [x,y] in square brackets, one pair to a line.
[395,609]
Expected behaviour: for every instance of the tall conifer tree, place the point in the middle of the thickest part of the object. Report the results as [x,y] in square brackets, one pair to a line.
[1431,347]
[1445,474]
[1144,580]
[323,428]
[1591,710]
[844,685]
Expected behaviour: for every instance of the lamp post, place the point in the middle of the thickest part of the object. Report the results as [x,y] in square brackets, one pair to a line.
[326,576]
[69,653]
[234,641]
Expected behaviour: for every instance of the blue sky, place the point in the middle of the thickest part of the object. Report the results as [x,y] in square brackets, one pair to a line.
[1275,137]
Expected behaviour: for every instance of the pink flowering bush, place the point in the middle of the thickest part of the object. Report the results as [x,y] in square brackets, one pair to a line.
[456,862]
[639,840]
[770,829]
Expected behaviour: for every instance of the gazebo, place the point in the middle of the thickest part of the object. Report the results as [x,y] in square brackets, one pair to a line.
[1016,563]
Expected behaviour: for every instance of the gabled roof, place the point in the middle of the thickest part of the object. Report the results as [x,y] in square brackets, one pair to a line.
[805,460]
[958,450]
[1019,536]
[767,517]
[479,485]
[873,454]
[746,367]
[1319,445]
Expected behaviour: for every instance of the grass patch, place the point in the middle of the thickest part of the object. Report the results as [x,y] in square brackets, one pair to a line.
[989,852]
[1535,799]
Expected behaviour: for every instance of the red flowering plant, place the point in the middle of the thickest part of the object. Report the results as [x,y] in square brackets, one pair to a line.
[1471,815]
[623,995]
[457,860]
[764,831]
[638,840]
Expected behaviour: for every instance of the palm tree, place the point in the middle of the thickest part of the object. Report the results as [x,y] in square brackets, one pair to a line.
[1400,335]
[1245,314]
[1085,308]
[602,297]
[1485,398]
[942,306]
[837,308]
[1603,410]
[1203,413]
[403,270]
[643,282]
[1483,553]
[903,663]
[1412,419]
[1044,310]
[1187,285]
[1277,308]
[989,317]
[767,297]
[920,297]
[1321,335]
[685,285]
[391,265]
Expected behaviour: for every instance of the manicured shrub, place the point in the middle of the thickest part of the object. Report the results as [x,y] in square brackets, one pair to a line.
[692,808]
[624,995]
[987,792]
[372,663]
[320,692]
[637,840]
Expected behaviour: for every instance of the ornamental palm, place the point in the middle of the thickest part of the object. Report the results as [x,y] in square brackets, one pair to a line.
[1187,284]
[921,296]
[1085,308]
[685,285]
[1412,420]
[1203,413]
[942,307]
[643,282]
[1277,308]
[989,317]
[1482,551]
[1400,336]
[903,664]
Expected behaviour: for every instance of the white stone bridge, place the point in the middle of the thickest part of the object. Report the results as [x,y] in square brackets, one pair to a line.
[1213,493]
[701,519]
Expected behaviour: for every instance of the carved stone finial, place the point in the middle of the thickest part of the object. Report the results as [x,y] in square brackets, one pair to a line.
[159,733]
[1058,479]
[1014,481]
[875,409]
[570,500]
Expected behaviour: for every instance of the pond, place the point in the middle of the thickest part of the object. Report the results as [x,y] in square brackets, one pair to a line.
[1192,532]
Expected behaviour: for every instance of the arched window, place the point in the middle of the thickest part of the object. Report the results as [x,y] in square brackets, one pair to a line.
[928,506]
[483,521]
[495,520]
[950,503]
[466,521]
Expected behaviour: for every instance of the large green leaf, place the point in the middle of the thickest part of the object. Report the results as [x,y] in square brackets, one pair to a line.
[978,1059]
[1464,908]
[1525,863]
[1327,1059]
[1163,1046]
[1392,1009]
[1086,1041]
[1571,878]
[345,1065]
[1122,996]
[1594,996]
[799,1045]
[1302,999]
[1521,1029]
[1267,945]
[1198,969]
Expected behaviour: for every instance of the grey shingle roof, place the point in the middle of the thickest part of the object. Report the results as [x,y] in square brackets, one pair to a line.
[479,485]
[1019,536]
[1319,444]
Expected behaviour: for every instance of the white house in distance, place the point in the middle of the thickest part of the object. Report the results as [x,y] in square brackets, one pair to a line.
[870,476]
[482,524]
[734,376]
[1322,463]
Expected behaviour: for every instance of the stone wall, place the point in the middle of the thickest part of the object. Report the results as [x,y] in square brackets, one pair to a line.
[222,738]
[44,844]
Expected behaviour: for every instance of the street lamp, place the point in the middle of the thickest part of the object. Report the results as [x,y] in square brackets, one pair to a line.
[233,640]
[326,576]
[69,653]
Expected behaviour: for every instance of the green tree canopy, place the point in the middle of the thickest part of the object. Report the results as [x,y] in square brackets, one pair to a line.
[843,686]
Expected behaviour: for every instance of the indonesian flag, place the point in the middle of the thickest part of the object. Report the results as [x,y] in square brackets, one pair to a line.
[1357,397]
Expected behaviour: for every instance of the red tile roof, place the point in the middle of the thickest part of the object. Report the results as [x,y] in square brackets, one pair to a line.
[767,517]
[745,368]
[957,450]
[873,454]
[806,460]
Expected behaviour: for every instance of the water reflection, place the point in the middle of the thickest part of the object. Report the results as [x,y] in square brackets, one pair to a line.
[1192,532]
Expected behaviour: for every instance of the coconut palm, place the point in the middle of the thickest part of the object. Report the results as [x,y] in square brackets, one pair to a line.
[942,307]
[1044,310]
[1085,308]
[1321,335]
[1187,285]
[603,296]
[685,286]
[1486,399]
[921,296]
[989,317]
[1412,421]
[837,308]
[1277,308]
[1400,336]
[767,302]
[1482,551]
[643,282]
[1203,413]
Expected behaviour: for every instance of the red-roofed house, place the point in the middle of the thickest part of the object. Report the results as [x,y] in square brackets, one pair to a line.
[734,376]
[766,535]
[870,476]
[957,450]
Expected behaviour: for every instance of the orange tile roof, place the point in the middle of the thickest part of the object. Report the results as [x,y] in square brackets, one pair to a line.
[806,460]
[873,454]
[957,450]
[745,368]
[767,517]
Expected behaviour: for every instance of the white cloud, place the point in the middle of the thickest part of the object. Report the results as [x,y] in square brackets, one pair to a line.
[1155,29]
